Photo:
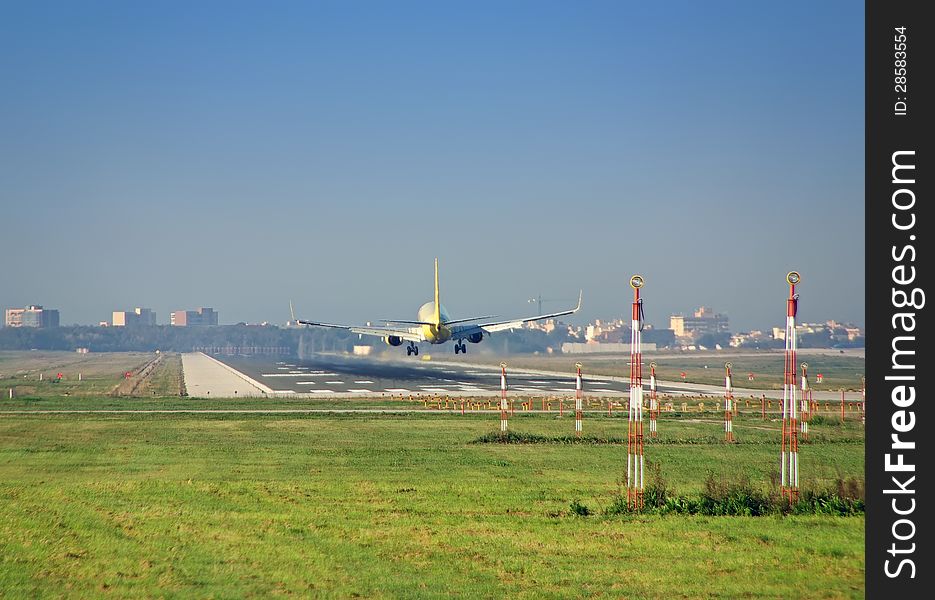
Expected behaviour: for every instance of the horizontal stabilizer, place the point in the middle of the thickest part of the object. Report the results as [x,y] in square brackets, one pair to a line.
[398,322]
[453,321]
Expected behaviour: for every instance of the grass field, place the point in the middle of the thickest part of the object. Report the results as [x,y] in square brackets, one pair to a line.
[398,506]
[99,373]
[838,370]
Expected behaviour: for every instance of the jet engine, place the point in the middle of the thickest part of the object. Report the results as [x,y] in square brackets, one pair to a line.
[393,340]
[474,338]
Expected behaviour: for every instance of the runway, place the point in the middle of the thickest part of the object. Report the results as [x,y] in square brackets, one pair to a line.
[330,375]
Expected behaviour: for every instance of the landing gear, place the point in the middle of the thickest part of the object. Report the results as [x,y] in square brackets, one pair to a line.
[412,349]
[460,348]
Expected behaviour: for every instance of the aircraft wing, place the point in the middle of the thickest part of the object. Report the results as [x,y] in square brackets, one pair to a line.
[465,330]
[412,335]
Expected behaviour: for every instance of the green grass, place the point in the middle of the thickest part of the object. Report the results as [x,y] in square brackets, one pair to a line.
[838,370]
[390,506]
[100,372]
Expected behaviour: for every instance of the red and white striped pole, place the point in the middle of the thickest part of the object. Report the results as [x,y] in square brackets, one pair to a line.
[806,402]
[504,407]
[790,437]
[635,420]
[728,405]
[653,401]
[579,409]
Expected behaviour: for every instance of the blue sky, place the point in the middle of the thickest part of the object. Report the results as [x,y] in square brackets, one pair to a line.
[237,155]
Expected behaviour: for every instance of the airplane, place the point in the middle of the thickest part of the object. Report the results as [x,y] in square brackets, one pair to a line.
[433,325]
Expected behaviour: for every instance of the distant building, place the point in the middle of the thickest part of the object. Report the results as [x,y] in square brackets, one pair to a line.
[32,316]
[193,318]
[547,325]
[748,337]
[134,318]
[703,321]
[663,338]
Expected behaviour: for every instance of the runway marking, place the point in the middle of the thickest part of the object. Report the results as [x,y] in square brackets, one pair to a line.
[434,389]
[397,390]
[363,381]
[322,391]
[335,382]
[563,390]
[360,391]
[599,383]
[299,374]
[540,381]
[305,383]
[284,374]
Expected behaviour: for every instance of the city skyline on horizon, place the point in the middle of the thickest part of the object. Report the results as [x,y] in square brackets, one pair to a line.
[571,320]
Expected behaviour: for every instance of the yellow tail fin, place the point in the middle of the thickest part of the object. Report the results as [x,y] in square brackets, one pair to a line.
[438,306]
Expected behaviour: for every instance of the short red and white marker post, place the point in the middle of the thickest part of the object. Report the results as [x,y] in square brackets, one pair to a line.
[806,402]
[504,407]
[653,401]
[863,399]
[579,409]
[635,417]
[790,434]
[728,405]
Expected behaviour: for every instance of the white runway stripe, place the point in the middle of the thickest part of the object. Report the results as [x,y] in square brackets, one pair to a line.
[359,391]
[299,374]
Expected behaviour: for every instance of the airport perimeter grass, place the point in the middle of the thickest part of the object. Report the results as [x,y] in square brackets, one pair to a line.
[389,506]
[100,372]
[838,370]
